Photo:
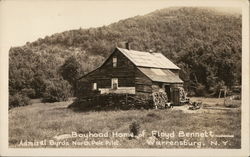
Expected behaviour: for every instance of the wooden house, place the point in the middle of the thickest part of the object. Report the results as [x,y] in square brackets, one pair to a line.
[132,72]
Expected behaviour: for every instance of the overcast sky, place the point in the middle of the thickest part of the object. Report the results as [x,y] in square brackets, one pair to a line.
[25,20]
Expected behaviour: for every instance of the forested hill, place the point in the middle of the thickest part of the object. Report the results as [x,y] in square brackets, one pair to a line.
[205,43]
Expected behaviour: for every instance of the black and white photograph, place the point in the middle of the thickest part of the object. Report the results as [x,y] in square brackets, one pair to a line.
[125,75]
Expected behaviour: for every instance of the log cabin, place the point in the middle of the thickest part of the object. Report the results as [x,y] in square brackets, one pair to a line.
[132,72]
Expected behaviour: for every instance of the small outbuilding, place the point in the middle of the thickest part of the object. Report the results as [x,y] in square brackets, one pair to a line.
[133,72]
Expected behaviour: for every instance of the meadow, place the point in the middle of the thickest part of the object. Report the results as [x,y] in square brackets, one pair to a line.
[54,123]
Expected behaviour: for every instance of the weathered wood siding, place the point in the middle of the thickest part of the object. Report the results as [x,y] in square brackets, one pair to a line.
[143,85]
[124,71]
[157,87]
[128,76]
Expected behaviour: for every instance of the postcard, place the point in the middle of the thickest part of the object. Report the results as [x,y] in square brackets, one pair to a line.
[124,78]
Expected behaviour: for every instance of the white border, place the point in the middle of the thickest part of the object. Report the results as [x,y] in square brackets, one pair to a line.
[244,151]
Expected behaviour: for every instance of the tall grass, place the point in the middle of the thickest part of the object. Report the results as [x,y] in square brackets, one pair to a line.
[45,120]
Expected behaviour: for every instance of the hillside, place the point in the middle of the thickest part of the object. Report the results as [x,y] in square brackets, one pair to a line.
[206,44]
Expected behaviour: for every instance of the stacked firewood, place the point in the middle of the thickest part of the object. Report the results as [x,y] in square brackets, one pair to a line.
[183,96]
[160,99]
[195,105]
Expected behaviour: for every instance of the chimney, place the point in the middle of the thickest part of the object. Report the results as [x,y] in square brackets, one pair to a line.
[152,50]
[127,44]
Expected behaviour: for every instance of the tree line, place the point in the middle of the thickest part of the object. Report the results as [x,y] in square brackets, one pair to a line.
[205,44]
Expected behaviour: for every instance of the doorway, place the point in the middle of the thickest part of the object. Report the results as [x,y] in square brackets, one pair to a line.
[168,91]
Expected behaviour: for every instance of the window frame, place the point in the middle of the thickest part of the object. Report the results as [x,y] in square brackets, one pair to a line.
[114,61]
[114,80]
[94,86]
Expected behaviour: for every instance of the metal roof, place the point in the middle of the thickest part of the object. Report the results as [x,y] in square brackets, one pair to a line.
[160,75]
[146,59]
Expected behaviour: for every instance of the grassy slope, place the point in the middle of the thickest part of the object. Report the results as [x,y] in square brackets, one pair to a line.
[43,121]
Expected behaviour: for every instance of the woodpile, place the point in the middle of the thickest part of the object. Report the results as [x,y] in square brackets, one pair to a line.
[195,105]
[160,99]
[183,96]
[113,101]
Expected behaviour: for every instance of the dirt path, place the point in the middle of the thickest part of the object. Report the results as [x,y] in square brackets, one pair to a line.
[185,109]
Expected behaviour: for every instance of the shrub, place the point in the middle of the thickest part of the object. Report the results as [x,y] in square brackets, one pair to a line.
[230,103]
[191,93]
[215,89]
[29,92]
[150,117]
[236,97]
[153,115]
[56,91]
[200,90]
[18,100]
[134,128]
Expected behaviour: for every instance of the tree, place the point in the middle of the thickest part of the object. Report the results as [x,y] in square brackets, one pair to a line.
[205,44]
[56,91]
[38,84]
[70,71]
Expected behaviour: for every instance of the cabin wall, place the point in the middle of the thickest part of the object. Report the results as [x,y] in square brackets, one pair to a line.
[171,90]
[84,88]
[157,87]
[130,79]
[143,85]
[124,72]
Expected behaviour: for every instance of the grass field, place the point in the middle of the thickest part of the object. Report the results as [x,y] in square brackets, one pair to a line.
[39,123]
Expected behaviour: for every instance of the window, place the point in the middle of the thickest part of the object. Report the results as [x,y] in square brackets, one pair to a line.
[114,83]
[114,62]
[94,87]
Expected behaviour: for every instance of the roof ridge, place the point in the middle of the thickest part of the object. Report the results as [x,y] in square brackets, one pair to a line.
[138,50]
[147,59]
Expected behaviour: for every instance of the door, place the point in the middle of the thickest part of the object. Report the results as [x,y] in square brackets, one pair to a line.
[114,83]
[168,91]
[176,96]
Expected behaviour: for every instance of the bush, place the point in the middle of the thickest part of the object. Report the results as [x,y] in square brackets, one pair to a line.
[231,103]
[18,100]
[153,115]
[134,128]
[200,90]
[29,92]
[236,97]
[56,91]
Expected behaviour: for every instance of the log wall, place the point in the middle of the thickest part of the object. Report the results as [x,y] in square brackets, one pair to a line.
[124,71]
[143,85]
[129,76]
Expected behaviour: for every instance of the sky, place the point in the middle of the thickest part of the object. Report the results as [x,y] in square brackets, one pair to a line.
[24,21]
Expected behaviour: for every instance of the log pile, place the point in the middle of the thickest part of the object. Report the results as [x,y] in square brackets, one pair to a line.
[160,99]
[113,101]
[183,96]
[195,105]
